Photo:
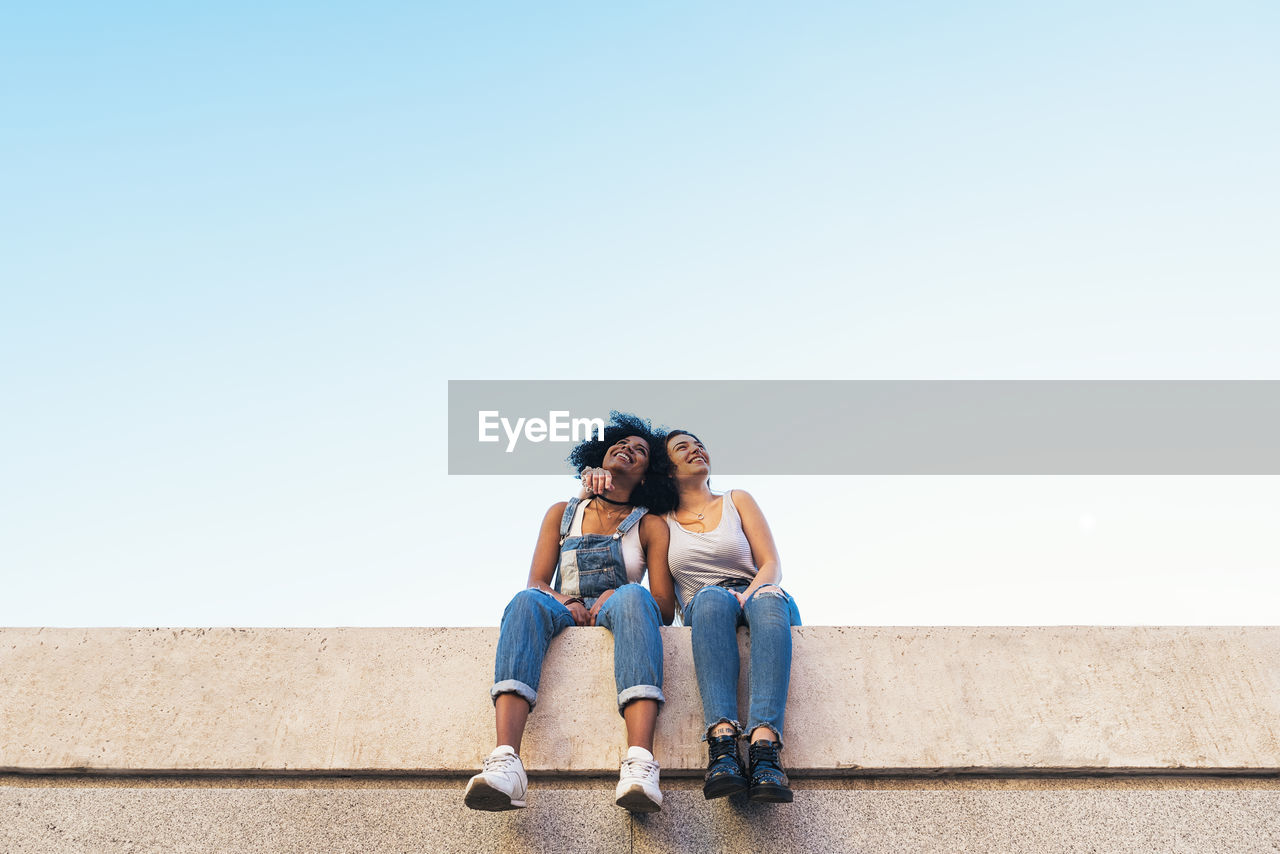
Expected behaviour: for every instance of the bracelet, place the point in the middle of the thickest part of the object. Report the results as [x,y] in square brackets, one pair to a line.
[571,600]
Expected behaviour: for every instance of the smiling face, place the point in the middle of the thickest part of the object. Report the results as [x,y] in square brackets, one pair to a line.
[629,456]
[688,455]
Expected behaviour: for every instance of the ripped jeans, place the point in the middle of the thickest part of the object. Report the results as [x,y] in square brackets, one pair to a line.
[715,615]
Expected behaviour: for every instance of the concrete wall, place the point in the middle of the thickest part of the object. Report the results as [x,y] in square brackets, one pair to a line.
[361,739]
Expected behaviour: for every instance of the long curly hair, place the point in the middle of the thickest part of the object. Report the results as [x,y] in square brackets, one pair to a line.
[656,492]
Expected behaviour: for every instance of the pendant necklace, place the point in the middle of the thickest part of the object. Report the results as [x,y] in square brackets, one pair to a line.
[704,509]
[614,519]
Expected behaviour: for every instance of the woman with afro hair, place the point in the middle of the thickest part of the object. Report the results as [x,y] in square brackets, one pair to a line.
[587,566]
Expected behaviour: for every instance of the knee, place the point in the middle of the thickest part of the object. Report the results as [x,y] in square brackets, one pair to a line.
[529,600]
[769,599]
[710,601]
[631,596]
[766,592]
[631,599]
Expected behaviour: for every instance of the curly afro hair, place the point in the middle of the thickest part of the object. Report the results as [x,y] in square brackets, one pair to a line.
[656,492]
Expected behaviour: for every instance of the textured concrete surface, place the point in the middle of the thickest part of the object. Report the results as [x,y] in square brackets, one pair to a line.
[416,700]
[298,821]
[981,816]
[975,821]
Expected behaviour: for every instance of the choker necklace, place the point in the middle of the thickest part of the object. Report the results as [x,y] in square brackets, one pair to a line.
[611,501]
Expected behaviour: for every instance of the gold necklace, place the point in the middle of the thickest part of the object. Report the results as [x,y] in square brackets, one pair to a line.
[704,507]
[614,518]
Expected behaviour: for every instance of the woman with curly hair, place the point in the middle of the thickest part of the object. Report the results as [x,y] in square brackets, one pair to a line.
[587,566]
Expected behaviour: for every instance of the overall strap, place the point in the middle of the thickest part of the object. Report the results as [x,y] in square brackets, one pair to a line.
[632,518]
[566,521]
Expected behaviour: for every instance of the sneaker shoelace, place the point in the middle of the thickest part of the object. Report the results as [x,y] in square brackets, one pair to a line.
[500,762]
[641,768]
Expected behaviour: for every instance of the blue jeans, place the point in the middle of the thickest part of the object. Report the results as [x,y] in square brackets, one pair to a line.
[715,615]
[533,618]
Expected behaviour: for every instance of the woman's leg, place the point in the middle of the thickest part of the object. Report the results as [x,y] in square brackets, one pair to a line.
[641,717]
[634,619]
[713,614]
[510,714]
[529,623]
[769,613]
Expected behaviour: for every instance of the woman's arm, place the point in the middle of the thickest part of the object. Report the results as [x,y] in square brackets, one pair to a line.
[763,550]
[546,555]
[656,537]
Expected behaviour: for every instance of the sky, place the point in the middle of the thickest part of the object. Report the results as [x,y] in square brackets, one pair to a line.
[245,248]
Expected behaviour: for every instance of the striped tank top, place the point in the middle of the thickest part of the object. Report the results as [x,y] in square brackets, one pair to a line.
[719,555]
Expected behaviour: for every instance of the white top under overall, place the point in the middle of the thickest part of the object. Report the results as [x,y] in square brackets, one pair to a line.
[632,551]
[711,557]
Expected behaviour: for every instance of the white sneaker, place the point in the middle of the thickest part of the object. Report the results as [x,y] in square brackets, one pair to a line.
[501,785]
[637,788]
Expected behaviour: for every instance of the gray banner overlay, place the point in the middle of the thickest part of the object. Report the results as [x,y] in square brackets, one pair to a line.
[809,427]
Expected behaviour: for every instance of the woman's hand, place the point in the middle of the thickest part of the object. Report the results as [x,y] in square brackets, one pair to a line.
[740,596]
[595,609]
[581,616]
[596,481]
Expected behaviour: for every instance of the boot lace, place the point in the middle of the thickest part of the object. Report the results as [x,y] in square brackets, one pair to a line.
[765,760]
[723,747]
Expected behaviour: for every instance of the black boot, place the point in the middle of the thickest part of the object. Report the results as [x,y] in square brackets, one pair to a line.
[725,774]
[768,781]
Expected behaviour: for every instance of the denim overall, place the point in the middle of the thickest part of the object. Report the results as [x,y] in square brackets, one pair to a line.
[590,565]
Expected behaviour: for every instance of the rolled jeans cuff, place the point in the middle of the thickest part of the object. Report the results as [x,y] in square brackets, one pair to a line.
[640,692]
[514,686]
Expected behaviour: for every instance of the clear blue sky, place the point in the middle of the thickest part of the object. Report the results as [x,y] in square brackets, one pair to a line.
[245,247]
